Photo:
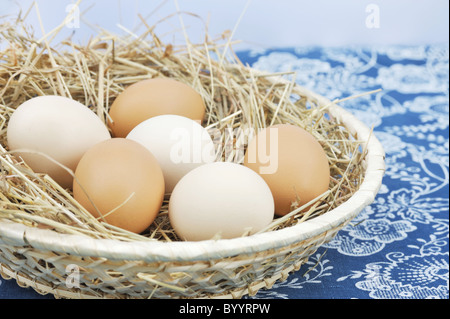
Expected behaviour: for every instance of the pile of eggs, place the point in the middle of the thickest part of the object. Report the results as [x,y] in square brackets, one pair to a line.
[154,146]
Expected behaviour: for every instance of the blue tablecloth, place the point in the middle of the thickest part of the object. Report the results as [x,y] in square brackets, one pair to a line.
[398,247]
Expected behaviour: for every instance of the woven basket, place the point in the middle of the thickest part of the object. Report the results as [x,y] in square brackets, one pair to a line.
[69,265]
[41,258]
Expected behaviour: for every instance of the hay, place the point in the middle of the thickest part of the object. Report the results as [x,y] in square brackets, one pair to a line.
[236,96]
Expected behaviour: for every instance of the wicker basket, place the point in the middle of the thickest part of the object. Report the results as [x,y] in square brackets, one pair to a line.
[75,265]
[41,258]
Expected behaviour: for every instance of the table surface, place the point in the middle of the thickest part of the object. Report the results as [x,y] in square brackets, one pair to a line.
[398,246]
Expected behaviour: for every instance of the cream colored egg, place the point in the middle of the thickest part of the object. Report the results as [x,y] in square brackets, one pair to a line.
[220,200]
[179,144]
[53,132]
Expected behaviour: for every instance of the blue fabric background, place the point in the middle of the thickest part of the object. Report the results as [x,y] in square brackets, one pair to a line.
[398,246]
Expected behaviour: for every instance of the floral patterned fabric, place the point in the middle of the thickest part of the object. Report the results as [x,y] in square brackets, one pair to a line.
[398,246]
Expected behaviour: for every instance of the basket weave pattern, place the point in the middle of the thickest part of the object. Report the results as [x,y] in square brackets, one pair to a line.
[230,277]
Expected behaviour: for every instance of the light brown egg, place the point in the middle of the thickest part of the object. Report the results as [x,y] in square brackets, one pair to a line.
[293,164]
[148,98]
[122,181]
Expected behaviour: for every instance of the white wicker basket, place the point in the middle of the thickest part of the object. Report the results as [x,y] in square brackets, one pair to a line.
[40,258]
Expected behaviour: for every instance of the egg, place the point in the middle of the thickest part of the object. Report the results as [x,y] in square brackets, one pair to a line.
[120,181]
[293,164]
[53,132]
[220,199]
[152,97]
[178,143]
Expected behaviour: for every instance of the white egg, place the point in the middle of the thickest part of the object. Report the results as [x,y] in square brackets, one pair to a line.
[220,200]
[53,132]
[178,143]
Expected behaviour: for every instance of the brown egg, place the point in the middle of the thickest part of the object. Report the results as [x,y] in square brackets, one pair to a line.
[293,164]
[120,180]
[148,98]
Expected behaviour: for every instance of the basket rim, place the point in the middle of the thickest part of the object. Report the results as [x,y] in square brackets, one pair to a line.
[14,233]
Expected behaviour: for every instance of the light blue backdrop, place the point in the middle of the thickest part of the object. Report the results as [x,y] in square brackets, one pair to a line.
[262,23]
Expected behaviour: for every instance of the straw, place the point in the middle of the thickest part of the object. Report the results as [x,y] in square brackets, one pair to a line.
[236,96]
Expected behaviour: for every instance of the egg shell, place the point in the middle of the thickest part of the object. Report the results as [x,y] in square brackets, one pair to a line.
[293,164]
[152,97]
[179,144]
[123,176]
[54,127]
[220,198]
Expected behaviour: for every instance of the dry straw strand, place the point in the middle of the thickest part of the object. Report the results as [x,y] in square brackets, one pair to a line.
[236,96]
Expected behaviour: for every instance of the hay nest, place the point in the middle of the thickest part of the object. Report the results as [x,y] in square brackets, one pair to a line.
[94,74]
